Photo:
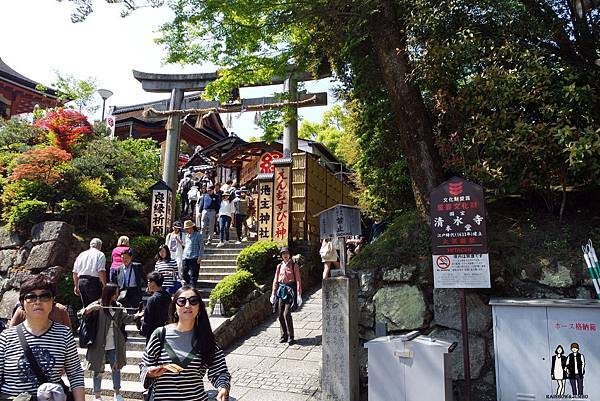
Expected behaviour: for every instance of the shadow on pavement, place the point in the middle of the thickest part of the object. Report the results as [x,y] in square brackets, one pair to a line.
[307,342]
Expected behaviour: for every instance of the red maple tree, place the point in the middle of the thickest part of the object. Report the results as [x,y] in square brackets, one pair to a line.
[66,126]
[40,164]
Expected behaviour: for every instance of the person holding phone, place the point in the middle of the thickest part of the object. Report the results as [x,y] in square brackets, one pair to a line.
[178,356]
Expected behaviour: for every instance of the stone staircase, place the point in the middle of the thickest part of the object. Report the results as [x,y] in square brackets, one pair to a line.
[217,264]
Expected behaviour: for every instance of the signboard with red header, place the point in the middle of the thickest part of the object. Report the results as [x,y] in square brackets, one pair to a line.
[459,236]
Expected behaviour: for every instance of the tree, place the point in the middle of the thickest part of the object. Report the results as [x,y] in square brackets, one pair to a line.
[66,127]
[77,91]
[42,164]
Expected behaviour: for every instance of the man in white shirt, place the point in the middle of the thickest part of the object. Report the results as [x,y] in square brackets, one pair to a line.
[89,273]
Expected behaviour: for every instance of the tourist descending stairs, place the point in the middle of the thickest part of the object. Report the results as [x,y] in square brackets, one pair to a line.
[217,263]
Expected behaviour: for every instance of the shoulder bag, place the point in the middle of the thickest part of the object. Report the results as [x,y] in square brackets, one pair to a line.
[88,328]
[41,376]
[149,396]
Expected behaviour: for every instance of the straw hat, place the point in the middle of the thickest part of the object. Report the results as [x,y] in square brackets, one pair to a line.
[188,224]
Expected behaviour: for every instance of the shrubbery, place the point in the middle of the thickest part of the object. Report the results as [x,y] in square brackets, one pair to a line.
[144,247]
[81,176]
[232,290]
[259,259]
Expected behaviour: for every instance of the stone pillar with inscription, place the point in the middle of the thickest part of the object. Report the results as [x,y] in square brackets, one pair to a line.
[340,374]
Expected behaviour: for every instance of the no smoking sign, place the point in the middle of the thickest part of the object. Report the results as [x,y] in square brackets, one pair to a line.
[443,262]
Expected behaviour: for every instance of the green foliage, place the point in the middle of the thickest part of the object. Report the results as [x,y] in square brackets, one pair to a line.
[406,240]
[18,134]
[144,247]
[335,133]
[65,294]
[23,215]
[259,259]
[232,290]
[79,93]
[271,122]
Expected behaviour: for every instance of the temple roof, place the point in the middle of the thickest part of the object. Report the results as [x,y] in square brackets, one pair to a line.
[8,74]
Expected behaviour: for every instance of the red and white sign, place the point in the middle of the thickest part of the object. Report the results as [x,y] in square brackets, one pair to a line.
[266,162]
[111,123]
[461,271]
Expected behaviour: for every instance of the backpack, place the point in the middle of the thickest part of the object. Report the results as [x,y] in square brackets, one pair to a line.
[327,250]
[193,193]
[187,186]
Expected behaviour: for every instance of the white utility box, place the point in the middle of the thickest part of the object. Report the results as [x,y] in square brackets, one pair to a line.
[529,335]
[409,368]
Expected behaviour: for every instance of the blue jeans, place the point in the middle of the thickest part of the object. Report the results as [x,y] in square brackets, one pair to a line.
[111,355]
[224,224]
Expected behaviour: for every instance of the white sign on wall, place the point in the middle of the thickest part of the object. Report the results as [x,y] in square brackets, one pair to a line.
[461,271]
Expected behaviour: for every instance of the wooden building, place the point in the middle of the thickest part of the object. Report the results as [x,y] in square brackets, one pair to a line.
[20,95]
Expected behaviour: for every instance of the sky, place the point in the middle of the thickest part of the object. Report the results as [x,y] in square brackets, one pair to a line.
[39,39]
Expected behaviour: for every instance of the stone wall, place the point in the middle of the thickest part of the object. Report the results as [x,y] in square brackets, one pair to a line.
[401,294]
[50,249]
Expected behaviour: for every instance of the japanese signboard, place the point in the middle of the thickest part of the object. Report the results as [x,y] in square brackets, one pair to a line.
[266,162]
[461,271]
[458,235]
[161,210]
[265,210]
[281,212]
[340,221]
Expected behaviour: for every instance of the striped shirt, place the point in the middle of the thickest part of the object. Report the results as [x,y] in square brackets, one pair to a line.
[168,268]
[186,385]
[55,351]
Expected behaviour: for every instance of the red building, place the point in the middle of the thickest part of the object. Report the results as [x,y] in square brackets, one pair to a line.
[19,94]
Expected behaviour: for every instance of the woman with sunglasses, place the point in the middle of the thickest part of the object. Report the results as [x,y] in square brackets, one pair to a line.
[52,345]
[190,344]
[110,340]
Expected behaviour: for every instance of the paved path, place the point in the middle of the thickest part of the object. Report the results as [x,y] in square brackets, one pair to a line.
[262,369]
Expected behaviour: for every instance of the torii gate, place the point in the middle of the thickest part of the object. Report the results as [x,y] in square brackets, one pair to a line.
[178,84]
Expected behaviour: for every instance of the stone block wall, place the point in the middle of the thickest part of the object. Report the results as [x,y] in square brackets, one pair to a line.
[50,249]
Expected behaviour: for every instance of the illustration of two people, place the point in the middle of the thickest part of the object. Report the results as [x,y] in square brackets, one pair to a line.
[570,367]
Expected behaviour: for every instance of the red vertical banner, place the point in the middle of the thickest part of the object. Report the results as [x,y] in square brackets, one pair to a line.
[281,201]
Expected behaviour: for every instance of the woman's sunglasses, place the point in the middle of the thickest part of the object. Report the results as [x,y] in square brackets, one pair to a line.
[193,300]
[43,297]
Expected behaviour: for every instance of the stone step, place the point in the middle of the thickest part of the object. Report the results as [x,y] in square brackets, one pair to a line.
[207,284]
[128,373]
[129,389]
[218,269]
[220,253]
[219,262]
[204,277]
[133,357]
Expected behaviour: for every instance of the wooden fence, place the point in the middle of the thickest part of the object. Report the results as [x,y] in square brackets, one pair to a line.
[314,189]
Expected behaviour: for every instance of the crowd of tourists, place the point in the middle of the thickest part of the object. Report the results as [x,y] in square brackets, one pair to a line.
[215,207]
[39,348]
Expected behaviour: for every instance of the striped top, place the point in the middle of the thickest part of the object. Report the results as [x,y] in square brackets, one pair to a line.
[168,268]
[186,385]
[55,352]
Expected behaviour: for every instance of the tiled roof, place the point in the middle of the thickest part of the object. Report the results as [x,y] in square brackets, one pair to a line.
[12,75]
